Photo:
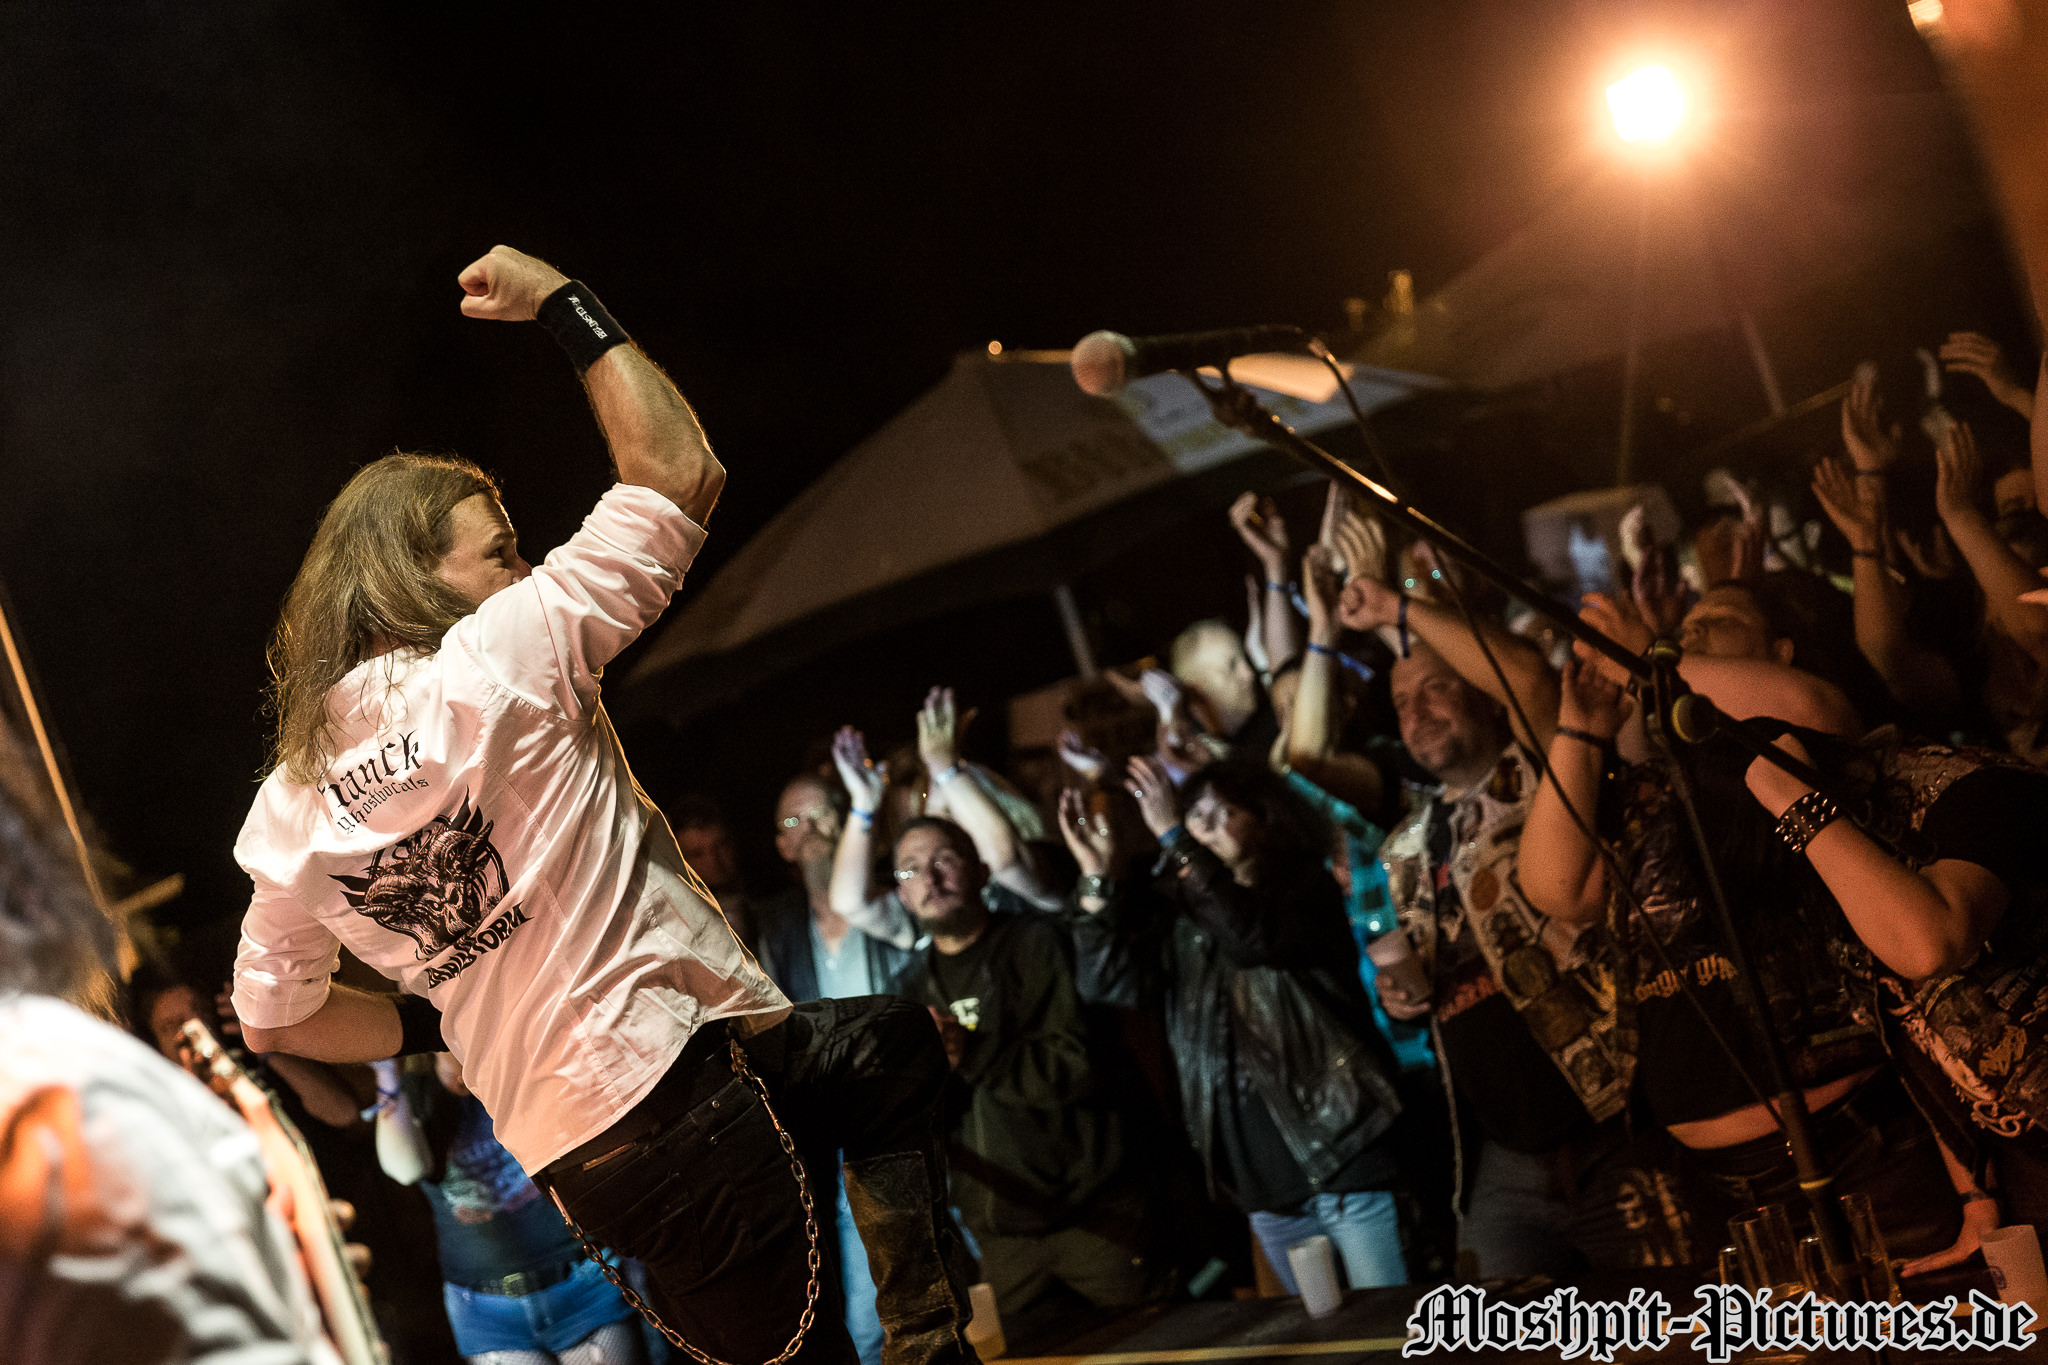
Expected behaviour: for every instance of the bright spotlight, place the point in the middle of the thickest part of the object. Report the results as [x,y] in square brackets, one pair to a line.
[1647,105]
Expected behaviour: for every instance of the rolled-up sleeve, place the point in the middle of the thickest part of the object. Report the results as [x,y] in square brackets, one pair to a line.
[285,964]
[549,637]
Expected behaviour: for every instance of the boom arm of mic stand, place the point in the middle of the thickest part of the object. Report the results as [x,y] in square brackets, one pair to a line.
[1695,717]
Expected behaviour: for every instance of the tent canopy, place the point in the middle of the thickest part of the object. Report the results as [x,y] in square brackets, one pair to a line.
[1003,480]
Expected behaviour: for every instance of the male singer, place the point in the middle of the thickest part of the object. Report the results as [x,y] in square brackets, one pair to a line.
[450,801]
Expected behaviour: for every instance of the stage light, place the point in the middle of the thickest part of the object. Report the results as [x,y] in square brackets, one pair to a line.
[1647,105]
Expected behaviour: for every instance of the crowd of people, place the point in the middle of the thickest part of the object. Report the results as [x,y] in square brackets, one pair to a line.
[1383,917]
[1393,916]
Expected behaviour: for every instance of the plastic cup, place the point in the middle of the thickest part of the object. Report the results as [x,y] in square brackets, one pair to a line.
[985,1326]
[1315,1270]
[1393,957]
[2014,1256]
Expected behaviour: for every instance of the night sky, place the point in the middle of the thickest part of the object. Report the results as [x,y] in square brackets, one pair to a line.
[232,234]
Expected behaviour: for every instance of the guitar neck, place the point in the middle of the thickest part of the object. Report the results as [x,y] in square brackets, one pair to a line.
[290,1165]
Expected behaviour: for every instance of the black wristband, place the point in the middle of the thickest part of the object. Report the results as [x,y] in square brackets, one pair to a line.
[579,324]
[1587,737]
[419,1026]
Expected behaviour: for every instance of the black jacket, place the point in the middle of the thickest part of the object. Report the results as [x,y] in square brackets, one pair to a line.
[1269,973]
[782,941]
[1037,1134]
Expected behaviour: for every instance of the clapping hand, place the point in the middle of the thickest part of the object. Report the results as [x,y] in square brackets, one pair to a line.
[1958,473]
[1589,700]
[1087,833]
[1977,354]
[865,781]
[1322,585]
[1855,506]
[938,727]
[1088,764]
[1872,445]
[1618,620]
[1157,801]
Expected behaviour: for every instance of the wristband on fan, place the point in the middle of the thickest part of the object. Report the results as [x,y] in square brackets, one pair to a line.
[419,1026]
[579,324]
[1401,625]
[945,775]
[866,818]
[1605,746]
[1806,817]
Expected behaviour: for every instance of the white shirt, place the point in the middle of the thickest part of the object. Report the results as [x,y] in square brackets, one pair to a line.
[133,1225]
[479,839]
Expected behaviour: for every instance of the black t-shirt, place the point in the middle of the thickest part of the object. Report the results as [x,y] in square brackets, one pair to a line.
[960,977]
[1785,919]
[1511,1084]
[1992,817]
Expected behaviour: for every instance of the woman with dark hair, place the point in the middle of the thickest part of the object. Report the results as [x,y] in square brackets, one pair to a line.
[1285,1082]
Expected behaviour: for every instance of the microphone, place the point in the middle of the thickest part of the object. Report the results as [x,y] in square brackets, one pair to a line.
[1103,362]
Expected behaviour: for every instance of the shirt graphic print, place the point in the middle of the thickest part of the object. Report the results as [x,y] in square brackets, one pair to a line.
[435,886]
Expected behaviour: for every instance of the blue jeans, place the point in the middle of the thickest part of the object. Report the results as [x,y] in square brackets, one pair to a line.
[863,1322]
[1363,1226]
[551,1319]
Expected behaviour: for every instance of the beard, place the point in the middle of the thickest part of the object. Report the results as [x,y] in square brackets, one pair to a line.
[961,917]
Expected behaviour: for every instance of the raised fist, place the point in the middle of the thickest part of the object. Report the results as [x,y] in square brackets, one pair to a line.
[507,286]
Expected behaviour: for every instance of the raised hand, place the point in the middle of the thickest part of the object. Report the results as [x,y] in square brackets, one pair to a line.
[1855,506]
[1958,473]
[1157,801]
[1977,354]
[1872,445]
[1165,693]
[1088,764]
[1589,700]
[1257,522]
[1367,603]
[1358,539]
[1322,585]
[864,781]
[1255,624]
[938,727]
[1087,834]
[1617,619]
[507,286]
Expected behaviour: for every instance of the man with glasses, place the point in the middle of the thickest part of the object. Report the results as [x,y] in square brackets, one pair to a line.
[811,952]
[1039,1145]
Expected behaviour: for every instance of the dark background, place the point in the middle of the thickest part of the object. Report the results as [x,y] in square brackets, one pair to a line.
[232,233]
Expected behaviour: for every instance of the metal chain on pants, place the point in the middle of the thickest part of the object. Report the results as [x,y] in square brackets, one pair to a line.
[803,1189]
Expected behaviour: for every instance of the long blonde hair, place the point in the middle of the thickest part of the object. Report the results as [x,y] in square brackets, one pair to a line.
[368,583]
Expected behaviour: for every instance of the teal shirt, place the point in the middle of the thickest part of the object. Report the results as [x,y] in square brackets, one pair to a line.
[1370,906]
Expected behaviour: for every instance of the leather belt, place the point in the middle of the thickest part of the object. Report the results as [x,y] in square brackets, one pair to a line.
[520,1283]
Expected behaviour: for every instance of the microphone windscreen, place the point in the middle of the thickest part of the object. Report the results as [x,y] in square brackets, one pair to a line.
[1099,362]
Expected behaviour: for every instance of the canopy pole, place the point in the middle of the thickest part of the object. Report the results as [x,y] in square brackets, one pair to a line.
[1076,631]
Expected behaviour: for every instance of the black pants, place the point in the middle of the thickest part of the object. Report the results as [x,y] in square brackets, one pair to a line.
[700,1188]
[1872,1141]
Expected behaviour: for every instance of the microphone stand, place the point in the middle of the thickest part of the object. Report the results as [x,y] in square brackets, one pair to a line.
[1675,712]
